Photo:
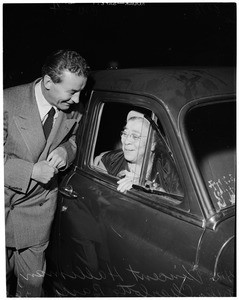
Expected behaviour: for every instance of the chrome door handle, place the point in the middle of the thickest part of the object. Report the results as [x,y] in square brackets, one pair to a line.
[68,191]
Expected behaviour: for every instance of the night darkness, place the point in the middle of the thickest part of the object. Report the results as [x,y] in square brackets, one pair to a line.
[142,35]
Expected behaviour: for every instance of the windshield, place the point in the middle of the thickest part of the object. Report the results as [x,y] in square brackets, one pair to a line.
[211,130]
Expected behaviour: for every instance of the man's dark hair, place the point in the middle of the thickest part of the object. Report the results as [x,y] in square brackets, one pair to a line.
[62,60]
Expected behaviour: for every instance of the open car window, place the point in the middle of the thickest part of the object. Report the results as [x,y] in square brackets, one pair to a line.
[119,144]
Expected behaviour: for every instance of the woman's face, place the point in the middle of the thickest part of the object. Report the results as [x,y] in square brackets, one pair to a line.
[134,139]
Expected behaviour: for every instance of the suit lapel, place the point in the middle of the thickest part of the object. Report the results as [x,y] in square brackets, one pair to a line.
[60,129]
[29,125]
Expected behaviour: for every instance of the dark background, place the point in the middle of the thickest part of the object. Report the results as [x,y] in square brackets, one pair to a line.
[133,35]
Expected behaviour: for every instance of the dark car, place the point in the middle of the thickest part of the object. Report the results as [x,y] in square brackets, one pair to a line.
[151,241]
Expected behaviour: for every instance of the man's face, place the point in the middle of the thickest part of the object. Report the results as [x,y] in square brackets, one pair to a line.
[67,92]
[134,148]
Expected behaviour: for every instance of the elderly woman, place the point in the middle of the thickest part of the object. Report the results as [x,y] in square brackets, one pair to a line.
[126,163]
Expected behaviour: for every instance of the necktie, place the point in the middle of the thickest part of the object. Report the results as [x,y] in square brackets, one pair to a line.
[47,126]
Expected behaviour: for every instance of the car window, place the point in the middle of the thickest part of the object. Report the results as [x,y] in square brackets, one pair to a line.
[123,140]
[212,133]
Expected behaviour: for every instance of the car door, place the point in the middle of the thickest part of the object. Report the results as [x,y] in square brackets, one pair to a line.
[144,242]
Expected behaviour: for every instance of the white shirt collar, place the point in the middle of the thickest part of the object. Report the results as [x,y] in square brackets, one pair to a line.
[43,105]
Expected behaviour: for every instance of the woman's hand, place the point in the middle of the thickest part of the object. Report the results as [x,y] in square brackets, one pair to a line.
[126,183]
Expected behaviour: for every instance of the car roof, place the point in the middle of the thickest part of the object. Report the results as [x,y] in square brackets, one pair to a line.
[173,87]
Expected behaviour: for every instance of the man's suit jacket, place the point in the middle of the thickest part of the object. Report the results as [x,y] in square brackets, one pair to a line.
[29,205]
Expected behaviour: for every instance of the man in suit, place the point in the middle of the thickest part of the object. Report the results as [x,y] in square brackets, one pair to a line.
[39,142]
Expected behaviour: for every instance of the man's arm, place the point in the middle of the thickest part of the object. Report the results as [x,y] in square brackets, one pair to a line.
[18,172]
[62,157]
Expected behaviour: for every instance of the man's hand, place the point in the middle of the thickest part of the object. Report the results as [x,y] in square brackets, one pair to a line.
[57,158]
[43,172]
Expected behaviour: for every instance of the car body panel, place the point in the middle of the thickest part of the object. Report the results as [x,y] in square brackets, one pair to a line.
[184,269]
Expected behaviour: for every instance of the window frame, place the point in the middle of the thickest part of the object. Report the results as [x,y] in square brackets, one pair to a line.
[152,104]
[209,202]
